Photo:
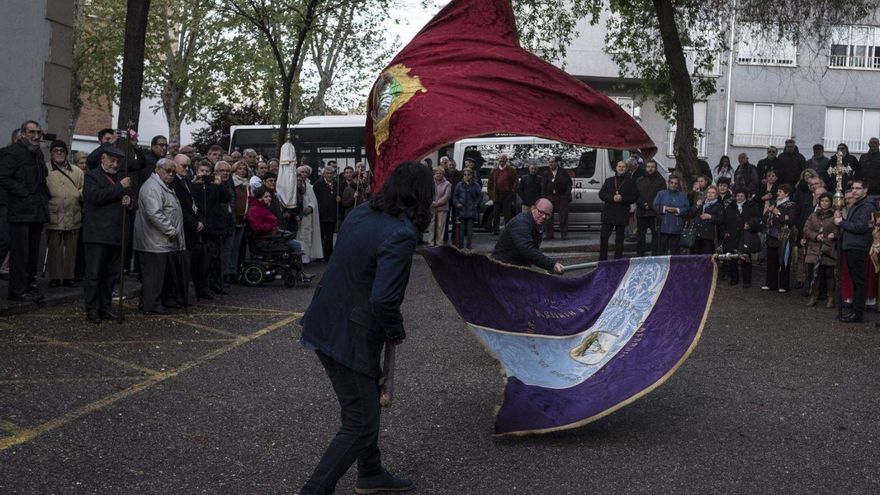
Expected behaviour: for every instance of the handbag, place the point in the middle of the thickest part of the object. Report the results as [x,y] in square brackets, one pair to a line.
[750,242]
[688,235]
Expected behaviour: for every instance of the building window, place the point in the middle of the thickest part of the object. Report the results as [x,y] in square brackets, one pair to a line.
[853,126]
[761,124]
[690,57]
[757,45]
[628,105]
[699,128]
[855,47]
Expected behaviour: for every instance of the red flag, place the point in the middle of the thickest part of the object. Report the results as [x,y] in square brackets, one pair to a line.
[465,75]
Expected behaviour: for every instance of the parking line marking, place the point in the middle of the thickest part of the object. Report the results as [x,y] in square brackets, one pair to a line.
[10,427]
[193,324]
[28,434]
[82,379]
[245,308]
[133,342]
[135,315]
[119,362]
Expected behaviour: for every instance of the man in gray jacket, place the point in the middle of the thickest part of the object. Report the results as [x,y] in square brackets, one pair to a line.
[158,231]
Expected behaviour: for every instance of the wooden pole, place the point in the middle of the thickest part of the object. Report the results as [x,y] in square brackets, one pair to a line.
[386,395]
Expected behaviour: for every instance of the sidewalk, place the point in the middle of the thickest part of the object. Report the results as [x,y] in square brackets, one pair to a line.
[53,297]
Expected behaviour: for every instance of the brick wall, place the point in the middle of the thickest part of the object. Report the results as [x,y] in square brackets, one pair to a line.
[93,117]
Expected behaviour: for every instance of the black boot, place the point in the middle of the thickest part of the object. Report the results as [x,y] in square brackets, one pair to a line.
[384,482]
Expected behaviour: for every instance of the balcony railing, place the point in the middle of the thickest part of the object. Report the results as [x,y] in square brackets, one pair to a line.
[783,60]
[702,144]
[759,140]
[854,145]
[847,61]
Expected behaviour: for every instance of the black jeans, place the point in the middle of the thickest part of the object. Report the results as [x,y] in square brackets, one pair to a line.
[503,205]
[855,265]
[24,255]
[327,231]
[645,224]
[153,279]
[466,234]
[102,272]
[667,244]
[358,437]
[778,275]
[560,210]
[604,234]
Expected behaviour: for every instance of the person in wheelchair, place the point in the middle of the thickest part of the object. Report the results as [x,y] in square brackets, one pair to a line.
[264,226]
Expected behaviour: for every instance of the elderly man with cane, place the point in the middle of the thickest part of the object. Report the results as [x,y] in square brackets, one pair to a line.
[354,311]
[158,233]
[105,195]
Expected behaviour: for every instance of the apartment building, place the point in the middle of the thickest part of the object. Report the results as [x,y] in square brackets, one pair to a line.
[766,91]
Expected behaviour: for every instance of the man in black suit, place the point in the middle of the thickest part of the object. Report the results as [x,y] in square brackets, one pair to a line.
[557,188]
[192,226]
[105,194]
[326,191]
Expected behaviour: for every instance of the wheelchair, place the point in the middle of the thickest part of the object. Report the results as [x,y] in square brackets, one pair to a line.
[271,258]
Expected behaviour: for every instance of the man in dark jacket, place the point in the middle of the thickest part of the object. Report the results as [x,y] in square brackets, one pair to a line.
[856,230]
[529,188]
[521,238]
[618,192]
[648,186]
[354,311]
[328,208]
[105,194]
[4,226]
[767,164]
[23,176]
[209,194]
[869,165]
[193,226]
[790,164]
[746,177]
[556,187]
[818,162]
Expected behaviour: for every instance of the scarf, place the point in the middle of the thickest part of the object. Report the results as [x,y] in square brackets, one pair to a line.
[709,203]
[780,202]
[739,206]
[241,181]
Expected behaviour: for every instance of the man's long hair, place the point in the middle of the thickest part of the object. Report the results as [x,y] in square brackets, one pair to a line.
[409,190]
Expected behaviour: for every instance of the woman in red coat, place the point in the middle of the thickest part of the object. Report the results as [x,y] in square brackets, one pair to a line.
[263,221]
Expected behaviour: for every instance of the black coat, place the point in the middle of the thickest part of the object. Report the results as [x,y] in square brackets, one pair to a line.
[23,176]
[732,229]
[560,188]
[529,189]
[519,243]
[212,201]
[707,229]
[184,190]
[746,177]
[356,305]
[789,167]
[855,173]
[136,162]
[648,187]
[857,226]
[328,208]
[102,207]
[618,213]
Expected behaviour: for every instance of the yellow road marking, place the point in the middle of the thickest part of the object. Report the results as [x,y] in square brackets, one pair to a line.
[246,308]
[120,362]
[140,315]
[28,434]
[10,427]
[89,379]
[184,321]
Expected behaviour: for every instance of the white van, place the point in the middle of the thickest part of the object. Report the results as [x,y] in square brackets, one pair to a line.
[588,167]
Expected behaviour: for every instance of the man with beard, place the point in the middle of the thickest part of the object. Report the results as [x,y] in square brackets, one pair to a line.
[648,186]
[105,195]
[23,176]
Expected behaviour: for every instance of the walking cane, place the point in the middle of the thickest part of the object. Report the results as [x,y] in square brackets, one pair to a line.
[386,395]
[124,221]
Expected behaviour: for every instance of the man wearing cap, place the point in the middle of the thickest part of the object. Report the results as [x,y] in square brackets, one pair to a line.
[65,183]
[23,176]
[105,194]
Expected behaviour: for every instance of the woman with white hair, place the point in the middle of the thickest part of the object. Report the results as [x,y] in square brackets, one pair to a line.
[308,231]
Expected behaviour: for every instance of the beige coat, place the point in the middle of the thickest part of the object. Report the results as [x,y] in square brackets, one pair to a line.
[65,198]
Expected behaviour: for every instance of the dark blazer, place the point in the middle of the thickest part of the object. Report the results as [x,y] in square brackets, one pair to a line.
[184,190]
[356,306]
[519,243]
[529,189]
[23,176]
[618,213]
[328,208]
[212,201]
[733,229]
[857,226]
[102,207]
[558,188]
[706,229]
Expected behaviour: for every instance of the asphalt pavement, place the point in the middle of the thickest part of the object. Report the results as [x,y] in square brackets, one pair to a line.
[776,398]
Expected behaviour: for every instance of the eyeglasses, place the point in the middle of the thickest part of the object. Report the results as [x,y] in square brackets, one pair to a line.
[163,145]
[543,213]
[59,150]
[36,132]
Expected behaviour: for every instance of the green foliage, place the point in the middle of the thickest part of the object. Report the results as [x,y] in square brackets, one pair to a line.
[224,116]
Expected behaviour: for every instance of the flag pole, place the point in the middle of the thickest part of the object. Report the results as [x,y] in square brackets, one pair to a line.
[123,229]
[715,257]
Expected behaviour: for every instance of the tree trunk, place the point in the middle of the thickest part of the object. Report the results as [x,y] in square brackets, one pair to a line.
[133,63]
[285,114]
[171,108]
[682,92]
[294,70]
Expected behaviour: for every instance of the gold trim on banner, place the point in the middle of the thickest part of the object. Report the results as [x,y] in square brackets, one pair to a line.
[397,74]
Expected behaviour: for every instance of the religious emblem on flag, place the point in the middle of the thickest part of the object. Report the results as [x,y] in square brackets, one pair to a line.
[465,75]
[575,349]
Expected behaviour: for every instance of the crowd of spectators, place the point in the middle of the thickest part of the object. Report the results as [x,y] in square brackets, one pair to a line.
[167,215]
